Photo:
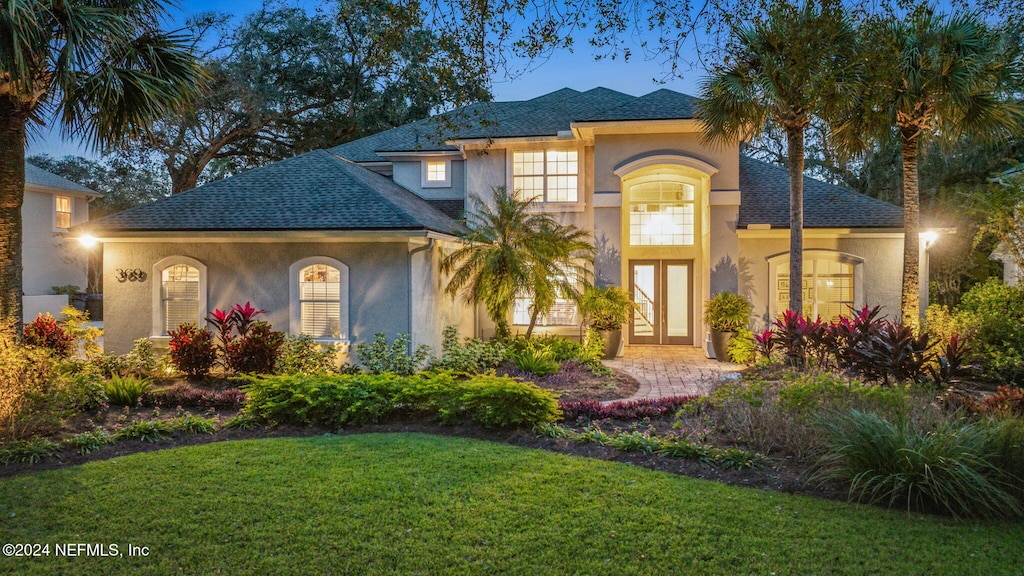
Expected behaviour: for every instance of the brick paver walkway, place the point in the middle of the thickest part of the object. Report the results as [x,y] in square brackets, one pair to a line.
[671,370]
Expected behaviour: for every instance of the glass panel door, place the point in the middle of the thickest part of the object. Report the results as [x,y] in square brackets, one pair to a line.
[678,304]
[663,293]
[643,287]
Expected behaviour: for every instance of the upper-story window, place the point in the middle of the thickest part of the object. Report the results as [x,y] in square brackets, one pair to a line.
[63,212]
[546,175]
[437,173]
[661,213]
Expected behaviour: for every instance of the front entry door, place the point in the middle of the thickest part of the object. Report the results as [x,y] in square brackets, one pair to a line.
[663,293]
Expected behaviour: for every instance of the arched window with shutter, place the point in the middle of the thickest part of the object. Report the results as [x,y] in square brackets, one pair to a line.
[179,293]
[319,298]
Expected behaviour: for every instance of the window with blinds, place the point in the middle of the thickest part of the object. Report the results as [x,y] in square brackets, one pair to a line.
[180,296]
[546,176]
[320,301]
[63,216]
[563,313]
[827,288]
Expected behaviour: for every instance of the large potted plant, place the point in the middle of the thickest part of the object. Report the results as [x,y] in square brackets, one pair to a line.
[725,314]
[606,310]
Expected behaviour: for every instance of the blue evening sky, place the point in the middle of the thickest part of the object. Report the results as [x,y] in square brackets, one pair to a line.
[577,70]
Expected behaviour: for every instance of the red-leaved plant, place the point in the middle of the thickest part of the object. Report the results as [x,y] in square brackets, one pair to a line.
[46,332]
[192,350]
[765,343]
[256,351]
[239,318]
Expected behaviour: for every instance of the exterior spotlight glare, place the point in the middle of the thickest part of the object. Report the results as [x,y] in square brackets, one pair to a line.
[87,240]
[929,238]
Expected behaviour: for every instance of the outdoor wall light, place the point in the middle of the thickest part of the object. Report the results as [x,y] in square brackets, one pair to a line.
[87,240]
[929,238]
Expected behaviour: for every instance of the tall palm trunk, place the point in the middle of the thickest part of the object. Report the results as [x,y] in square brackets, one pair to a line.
[910,303]
[12,193]
[795,150]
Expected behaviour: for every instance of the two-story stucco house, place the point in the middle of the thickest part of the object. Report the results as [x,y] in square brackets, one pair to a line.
[52,205]
[343,243]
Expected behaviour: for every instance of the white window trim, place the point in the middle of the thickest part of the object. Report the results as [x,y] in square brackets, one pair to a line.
[579,205]
[158,323]
[446,183]
[71,213]
[782,260]
[294,308]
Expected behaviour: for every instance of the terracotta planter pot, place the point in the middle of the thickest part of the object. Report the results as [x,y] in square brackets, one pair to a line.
[720,344]
[612,341]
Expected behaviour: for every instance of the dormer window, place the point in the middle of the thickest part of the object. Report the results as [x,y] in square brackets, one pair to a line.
[546,175]
[437,173]
[62,216]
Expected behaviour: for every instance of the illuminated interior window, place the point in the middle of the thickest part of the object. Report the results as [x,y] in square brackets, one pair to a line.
[437,171]
[180,296]
[546,176]
[661,213]
[827,288]
[563,313]
[63,211]
[320,301]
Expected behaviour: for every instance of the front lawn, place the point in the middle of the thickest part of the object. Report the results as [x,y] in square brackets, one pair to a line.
[401,503]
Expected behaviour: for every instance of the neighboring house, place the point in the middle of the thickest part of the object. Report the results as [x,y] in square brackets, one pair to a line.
[52,205]
[1011,272]
[343,243]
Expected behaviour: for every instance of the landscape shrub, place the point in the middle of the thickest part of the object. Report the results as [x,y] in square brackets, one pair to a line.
[25,381]
[301,354]
[537,360]
[87,442]
[742,347]
[806,395]
[145,430]
[189,397]
[28,451]
[192,350]
[337,399]
[379,357]
[256,351]
[126,390]
[622,409]
[991,315]
[471,356]
[46,332]
[87,338]
[78,389]
[193,424]
[948,467]
[141,361]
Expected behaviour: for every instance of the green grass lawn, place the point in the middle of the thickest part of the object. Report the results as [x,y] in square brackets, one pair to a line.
[417,504]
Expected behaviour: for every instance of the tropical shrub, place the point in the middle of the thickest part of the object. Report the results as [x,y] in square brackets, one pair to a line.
[26,377]
[606,308]
[141,361]
[742,347]
[46,332]
[622,409]
[338,400]
[536,360]
[379,357]
[949,467]
[301,354]
[471,356]
[126,390]
[78,390]
[192,350]
[256,351]
[86,337]
[189,397]
[727,312]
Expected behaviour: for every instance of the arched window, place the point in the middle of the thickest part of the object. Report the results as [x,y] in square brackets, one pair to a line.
[179,293]
[831,283]
[319,298]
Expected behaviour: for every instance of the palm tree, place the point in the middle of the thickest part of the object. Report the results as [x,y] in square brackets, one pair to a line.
[933,76]
[102,69]
[786,68]
[511,250]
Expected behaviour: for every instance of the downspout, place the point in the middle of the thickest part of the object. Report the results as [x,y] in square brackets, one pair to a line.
[413,252]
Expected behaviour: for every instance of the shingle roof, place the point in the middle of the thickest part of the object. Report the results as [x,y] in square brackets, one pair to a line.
[312,191]
[36,176]
[765,200]
[545,115]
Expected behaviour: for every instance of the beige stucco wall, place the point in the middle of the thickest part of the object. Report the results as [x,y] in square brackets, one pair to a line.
[379,285]
[881,272]
[433,310]
[48,259]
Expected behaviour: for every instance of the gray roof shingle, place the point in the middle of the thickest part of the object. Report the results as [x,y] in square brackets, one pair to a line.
[36,176]
[765,200]
[312,191]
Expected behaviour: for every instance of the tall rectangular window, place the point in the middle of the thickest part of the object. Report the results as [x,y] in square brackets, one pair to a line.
[563,313]
[827,288]
[546,176]
[661,213]
[180,294]
[63,204]
[320,301]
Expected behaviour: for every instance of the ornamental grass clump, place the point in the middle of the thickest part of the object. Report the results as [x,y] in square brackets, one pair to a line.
[948,468]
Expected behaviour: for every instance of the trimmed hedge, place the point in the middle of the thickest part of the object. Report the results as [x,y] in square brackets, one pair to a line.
[350,399]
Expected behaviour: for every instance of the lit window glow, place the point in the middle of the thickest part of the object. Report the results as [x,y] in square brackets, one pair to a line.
[661,213]
[63,204]
[546,176]
[437,171]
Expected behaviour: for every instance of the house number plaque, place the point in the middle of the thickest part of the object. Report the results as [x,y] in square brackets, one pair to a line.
[130,275]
